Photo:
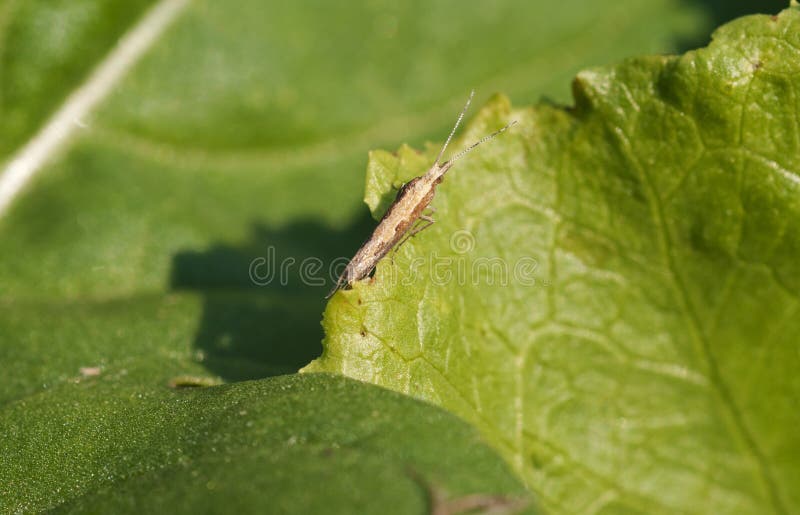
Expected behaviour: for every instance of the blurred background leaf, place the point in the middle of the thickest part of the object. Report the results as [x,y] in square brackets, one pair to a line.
[245,127]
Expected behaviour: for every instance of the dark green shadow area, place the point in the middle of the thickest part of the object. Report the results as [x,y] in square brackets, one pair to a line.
[726,10]
[249,328]
[723,11]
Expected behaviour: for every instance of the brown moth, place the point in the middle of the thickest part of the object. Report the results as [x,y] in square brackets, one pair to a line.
[399,222]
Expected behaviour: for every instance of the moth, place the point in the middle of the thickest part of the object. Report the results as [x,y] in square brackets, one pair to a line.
[400,221]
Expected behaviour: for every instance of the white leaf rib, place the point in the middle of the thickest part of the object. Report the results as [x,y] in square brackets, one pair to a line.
[54,134]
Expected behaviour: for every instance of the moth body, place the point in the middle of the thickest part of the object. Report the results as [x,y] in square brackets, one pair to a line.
[400,219]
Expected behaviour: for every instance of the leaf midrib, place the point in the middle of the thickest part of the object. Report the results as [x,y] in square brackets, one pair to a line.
[54,133]
[734,415]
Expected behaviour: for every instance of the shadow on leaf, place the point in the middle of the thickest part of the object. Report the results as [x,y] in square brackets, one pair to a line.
[250,330]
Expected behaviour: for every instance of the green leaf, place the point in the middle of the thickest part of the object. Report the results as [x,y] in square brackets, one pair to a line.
[620,317]
[241,128]
[313,444]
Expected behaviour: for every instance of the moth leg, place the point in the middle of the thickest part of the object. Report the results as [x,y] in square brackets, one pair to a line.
[422,223]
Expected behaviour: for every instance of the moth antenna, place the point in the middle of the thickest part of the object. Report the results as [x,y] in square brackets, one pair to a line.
[484,139]
[455,127]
